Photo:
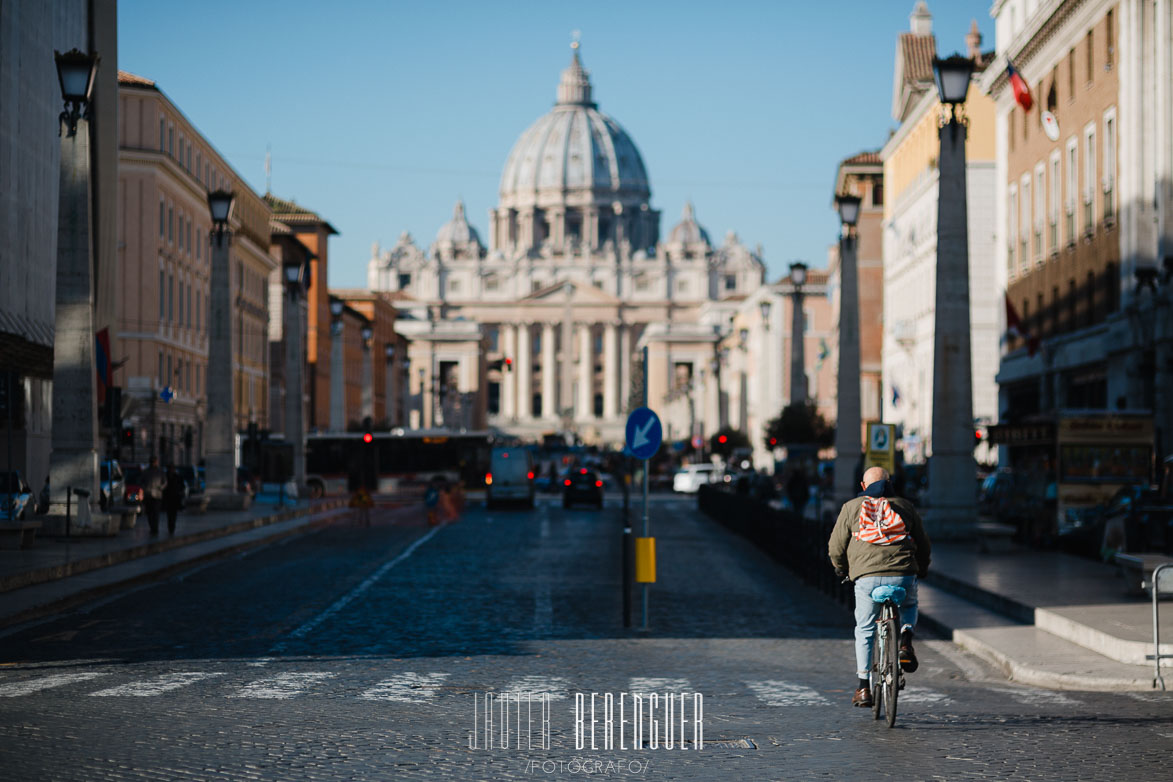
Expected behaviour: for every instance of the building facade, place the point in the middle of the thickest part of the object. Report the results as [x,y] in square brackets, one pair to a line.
[166,169]
[910,240]
[571,282]
[1084,212]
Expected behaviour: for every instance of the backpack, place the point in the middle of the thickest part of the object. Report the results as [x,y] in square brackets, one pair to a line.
[879,523]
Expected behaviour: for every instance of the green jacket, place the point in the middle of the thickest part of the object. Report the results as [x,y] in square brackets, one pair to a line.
[857,558]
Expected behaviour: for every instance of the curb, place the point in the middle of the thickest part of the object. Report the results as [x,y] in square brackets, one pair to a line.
[1027,674]
[55,572]
[1005,606]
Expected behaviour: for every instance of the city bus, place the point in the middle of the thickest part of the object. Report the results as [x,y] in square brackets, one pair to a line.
[339,462]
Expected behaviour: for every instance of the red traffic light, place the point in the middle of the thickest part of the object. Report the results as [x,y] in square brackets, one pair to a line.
[722,439]
[508,364]
[773,441]
[367,437]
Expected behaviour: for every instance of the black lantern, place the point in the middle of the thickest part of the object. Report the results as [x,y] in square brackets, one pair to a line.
[220,205]
[75,73]
[798,272]
[848,206]
[952,77]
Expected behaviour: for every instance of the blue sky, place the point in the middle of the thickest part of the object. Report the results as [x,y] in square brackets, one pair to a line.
[380,115]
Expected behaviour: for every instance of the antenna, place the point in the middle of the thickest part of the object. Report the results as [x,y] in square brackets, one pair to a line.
[268,168]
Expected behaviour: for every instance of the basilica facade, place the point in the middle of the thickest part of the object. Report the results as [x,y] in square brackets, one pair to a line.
[542,328]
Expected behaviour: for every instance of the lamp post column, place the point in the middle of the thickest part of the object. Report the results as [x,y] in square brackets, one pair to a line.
[389,392]
[368,377]
[337,370]
[221,454]
[847,416]
[797,348]
[610,373]
[952,495]
[295,383]
[549,403]
[74,458]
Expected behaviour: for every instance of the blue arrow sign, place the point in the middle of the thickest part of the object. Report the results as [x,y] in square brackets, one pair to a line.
[643,433]
[167,394]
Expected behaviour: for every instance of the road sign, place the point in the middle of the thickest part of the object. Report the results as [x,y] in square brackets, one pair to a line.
[698,441]
[881,446]
[643,433]
[167,394]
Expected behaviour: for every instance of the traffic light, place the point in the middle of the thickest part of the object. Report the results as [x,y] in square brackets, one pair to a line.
[773,441]
[722,439]
[977,437]
[128,435]
[508,364]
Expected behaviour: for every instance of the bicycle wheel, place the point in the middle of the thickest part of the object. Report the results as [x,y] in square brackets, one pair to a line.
[891,669]
[878,671]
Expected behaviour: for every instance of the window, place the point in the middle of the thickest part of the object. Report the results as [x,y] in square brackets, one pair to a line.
[1024,222]
[167,377]
[162,134]
[162,297]
[730,282]
[199,245]
[189,236]
[1089,178]
[189,157]
[162,219]
[1040,209]
[170,225]
[1091,69]
[181,146]
[641,283]
[1072,186]
[1055,196]
[189,306]
[180,321]
[197,311]
[682,286]
[404,281]
[181,230]
[170,298]
[171,141]
[494,338]
[491,283]
[878,194]
[1011,229]
[1109,163]
[454,286]
[1109,39]
[1071,75]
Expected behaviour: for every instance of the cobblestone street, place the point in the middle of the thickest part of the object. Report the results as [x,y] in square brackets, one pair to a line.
[357,652]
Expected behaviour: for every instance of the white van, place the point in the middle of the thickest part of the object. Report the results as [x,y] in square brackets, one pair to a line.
[689,479]
[510,477]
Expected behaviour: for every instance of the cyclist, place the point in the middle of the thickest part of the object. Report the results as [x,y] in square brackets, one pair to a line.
[879,539]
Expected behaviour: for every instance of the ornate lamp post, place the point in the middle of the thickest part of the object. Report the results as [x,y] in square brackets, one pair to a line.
[74,459]
[952,495]
[296,282]
[368,395]
[337,380]
[797,336]
[847,417]
[221,452]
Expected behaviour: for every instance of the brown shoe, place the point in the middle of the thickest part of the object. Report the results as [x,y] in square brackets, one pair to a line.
[862,697]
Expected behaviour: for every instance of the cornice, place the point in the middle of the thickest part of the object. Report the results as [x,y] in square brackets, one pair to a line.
[1045,25]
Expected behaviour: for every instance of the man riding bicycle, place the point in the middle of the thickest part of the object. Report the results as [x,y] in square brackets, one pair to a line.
[879,539]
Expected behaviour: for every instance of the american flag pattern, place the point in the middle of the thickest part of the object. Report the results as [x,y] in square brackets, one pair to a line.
[879,523]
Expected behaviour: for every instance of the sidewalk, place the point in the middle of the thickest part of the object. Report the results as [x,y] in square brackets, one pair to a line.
[57,571]
[1045,618]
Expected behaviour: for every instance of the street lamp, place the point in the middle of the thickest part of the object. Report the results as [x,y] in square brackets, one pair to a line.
[221,452]
[847,416]
[797,335]
[75,73]
[952,500]
[296,272]
[74,457]
[337,363]
[368,395]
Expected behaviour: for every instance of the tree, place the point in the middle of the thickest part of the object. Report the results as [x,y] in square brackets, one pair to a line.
[726,440]
[800,424]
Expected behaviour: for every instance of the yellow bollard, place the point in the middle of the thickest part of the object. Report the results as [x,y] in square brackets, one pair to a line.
[645,560]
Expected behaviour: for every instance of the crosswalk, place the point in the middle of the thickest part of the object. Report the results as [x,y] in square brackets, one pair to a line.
[412,687]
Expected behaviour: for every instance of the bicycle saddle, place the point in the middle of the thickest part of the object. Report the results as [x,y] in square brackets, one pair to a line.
[889,592]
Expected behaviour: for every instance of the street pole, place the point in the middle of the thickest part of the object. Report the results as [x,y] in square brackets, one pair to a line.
[221,412]
[647,465]
[74,458]
[368,390]
[337,378]
[847,416]
[952,495]
[294,383]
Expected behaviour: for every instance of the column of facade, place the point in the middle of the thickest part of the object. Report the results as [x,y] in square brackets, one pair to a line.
[624,364]
[610,373]
[584,408]
[524,373]
[508,349]
[549,403]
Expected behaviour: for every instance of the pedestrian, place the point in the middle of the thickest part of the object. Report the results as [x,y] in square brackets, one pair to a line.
[154,481]
[172,497]
[43,501]
[798,490]
[879,540]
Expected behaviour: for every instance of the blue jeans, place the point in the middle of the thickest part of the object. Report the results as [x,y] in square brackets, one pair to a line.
[867,611]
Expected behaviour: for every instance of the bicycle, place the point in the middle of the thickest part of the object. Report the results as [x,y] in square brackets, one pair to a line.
[887,678]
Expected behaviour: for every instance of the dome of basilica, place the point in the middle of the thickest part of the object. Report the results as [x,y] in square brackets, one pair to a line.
[575,147]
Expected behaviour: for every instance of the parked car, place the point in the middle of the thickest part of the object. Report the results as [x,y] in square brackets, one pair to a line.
[132,483]
[583,486]
[16,497]
[111,481]
[690,478]
[510,477]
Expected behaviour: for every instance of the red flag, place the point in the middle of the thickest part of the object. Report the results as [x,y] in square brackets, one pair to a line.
[1021,91]
[1015,328]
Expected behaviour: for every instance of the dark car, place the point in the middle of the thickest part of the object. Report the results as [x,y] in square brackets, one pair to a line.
[133,486]
[16,498]
[584,486]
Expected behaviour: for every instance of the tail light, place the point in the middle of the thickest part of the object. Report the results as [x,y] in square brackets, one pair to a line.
[583,471]
[599,484]
[488,479]
[567,481]
[529,475]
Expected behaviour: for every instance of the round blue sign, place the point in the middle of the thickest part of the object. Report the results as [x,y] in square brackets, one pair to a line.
[643,433]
